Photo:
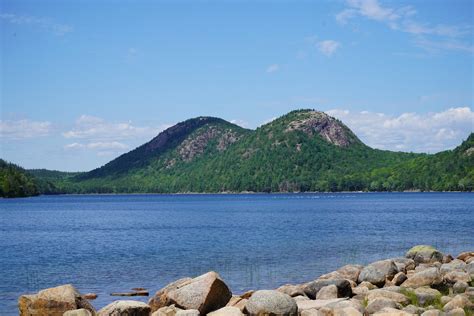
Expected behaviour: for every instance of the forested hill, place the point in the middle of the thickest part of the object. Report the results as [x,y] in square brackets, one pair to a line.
[304,150]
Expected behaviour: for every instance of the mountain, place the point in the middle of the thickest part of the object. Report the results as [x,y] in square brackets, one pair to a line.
[304,150]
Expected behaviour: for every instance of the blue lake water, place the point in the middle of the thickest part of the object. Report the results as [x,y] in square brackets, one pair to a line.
[111,243]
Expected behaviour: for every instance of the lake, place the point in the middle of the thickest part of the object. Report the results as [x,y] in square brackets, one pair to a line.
[112,243]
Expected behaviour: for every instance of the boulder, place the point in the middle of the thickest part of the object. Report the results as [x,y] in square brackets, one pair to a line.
[291,290]
[353,303]
[464,256]
[470,269]
[447,258]
[188,312]
[460,287]
[160,299]
[377,272]
[327,292]
[316,304]
[380,303]
[456,312]
[360,290]
[126,307]
[237,301]
[404,264]
[344,288]
[346,311]
[426,295]
[455,276]
[399,278]
[430,276]
[368,285]
[78,312]
[394,296]
[455,265]
[412,309]
[424,254]
[389,311]
[433,312]
[350,272]
[459,301]
[311,312]
[53,302]
[205,293]
[265,302]
[166,311]
[227,311]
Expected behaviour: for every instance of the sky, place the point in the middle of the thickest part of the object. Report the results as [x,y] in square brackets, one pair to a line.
[83,81]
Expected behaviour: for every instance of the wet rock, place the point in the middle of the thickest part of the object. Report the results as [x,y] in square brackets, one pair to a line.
[120,308]
[380,293]
[460,287]
[204,293]
[53,301]
[430,276]
[344,288]
[227,311]
[327,292]
[378,271]
[78,312]
[459,301]
[380,303]
[426,295]
[424,254]
[268,302]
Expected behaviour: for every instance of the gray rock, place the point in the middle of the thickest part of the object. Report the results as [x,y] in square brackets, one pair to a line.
[160,299]
[445,299]
[470,269]
[327,292]
[424,254]
[456,276]
[454,265]
[381,293]
[380,303]
[350,272]
[430,276]
[433,312]
[291,290]
[427,295]
[412,309]
[346,311]
[316,304]
[188,312]
[267,302]
[311,312]
[404,264]
[456,312]
[460,287]
[459,301]
[389,311]
[166,311]
[344,288]
[125,307]
[399,278]
[78,312]
[377,272]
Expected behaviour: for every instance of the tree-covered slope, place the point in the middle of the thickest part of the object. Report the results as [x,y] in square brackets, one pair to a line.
[16,181]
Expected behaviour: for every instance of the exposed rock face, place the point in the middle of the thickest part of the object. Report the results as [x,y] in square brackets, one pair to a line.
[129,308]
[53,302]
[270,302]
[377,272]
[319,123]
[204,293]
[424,254]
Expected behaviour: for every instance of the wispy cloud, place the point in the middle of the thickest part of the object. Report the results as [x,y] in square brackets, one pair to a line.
[41,22]
[95,128]
[328,47]
[430,132]
[25,128]
[429,37]
[97,145]
[273,68]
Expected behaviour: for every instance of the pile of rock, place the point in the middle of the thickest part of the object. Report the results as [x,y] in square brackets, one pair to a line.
[424,282]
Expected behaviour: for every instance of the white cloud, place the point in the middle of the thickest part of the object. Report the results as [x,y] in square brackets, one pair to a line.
[239,122]
[97,129]
[328,47]
[273,68]
[430,132]
[97,145]
[440,37]
[23,129]
[44,23]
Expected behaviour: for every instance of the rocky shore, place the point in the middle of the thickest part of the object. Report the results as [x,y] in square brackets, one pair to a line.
[423,282]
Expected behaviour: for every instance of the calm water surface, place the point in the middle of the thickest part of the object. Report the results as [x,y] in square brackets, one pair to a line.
[112,243]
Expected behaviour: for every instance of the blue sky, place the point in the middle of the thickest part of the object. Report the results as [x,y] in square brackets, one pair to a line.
[83,81]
